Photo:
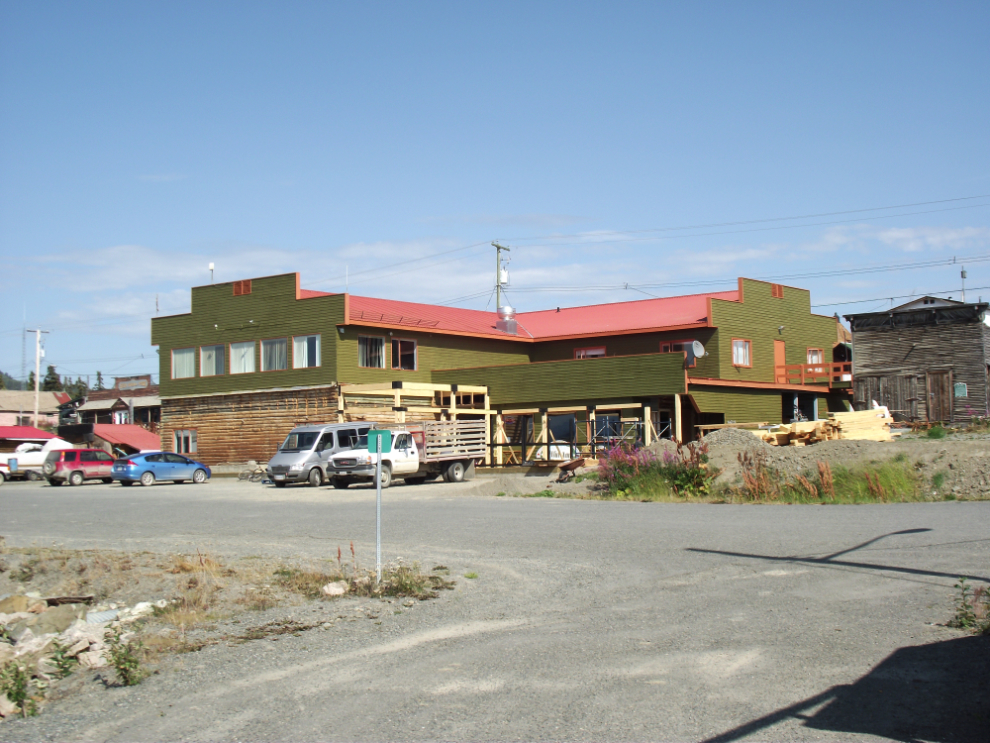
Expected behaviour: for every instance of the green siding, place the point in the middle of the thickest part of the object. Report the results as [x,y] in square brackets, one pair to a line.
[740,405]
[433,351]
[586,379]
[634,344]
[219,317]
[757,319]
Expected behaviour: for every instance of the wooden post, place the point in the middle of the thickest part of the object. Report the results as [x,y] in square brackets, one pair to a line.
[677,419]
[499,436]
[400,416]
[592,430]
[340,405]
[646,425]
[545,433]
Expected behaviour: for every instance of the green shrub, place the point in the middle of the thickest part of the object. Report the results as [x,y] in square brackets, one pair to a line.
[936,432]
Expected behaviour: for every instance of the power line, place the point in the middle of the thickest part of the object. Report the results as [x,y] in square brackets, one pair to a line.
[770,219]
[897,296]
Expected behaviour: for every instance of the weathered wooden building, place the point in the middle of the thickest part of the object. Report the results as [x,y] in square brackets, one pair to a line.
[255,357]
[926,360]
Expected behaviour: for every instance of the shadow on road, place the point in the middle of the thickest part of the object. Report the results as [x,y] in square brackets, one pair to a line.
[938,693]
[829,560]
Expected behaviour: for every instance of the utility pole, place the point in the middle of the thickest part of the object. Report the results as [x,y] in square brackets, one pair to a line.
[38,351]
[963,275]
[498,272]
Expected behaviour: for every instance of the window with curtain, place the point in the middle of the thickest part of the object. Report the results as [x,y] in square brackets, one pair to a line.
[740,353]
[183,363]
[211,361]
[404,354]
[305,351]
[242,357]
[371,352]
[816,356]
[274,355]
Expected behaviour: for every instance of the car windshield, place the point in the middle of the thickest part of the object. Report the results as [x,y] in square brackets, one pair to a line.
[362,441]
[299,441]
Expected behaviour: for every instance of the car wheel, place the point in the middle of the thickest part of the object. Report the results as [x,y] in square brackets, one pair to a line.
[315,477]
[280,484]
[386,476]
[199,477]
[53,482]
[455,472]
[76,478]
[48,468]
[32,475]
[339,482]
[148,479]
[126,483]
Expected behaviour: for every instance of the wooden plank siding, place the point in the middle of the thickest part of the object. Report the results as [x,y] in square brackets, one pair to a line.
[433,350]
[271,310]
[611,377]
[892,365]
[240,427]
[756,318]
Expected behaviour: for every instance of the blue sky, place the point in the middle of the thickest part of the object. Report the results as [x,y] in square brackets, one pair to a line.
[141,141]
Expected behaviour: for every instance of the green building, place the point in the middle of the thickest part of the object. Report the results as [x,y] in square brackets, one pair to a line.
[255,357]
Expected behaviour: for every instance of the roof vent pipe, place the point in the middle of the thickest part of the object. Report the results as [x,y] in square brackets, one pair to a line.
[506,320]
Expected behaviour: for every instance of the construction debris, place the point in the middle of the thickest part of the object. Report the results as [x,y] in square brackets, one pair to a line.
[864,425]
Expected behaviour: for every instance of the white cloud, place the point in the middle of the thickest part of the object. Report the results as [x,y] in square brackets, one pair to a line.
[916,239]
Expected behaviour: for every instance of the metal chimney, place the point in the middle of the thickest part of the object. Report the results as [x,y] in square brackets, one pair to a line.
[506,320]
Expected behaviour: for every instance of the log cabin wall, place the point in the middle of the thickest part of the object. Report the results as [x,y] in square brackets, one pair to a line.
[905,368]
[243,426]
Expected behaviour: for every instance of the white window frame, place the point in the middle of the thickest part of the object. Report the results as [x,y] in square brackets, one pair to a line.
[595,352]
[203,351]
[250,358]
[185,352]
[302,341]
[742,347]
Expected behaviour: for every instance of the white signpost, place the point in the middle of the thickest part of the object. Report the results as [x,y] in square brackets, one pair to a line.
[379,442]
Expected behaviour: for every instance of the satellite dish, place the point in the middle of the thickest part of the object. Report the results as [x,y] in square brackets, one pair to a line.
[698,349]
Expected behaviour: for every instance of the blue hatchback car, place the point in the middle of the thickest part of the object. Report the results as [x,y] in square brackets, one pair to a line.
[150,466]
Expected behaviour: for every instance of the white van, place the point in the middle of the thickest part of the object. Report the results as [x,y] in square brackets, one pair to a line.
[305,454]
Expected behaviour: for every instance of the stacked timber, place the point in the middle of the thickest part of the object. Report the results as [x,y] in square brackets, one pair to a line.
[865,425]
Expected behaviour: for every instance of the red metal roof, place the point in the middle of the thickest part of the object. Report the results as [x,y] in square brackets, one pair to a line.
[129,435]
[25,433]
[602,319]
[621,317]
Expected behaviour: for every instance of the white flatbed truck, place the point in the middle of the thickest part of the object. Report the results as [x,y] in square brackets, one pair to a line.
[420,452]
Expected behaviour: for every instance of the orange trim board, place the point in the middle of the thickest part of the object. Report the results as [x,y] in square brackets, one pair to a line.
[707,382]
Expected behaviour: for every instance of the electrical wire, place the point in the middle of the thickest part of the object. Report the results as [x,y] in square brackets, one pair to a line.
[899,296]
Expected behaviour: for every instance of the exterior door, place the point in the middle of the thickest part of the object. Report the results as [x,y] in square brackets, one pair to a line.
[779,360]
[940,396]
[404,458]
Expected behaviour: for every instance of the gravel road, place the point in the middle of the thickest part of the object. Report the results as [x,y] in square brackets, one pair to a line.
[588,620]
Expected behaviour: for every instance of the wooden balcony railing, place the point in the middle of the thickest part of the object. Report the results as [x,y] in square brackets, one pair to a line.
[840,371]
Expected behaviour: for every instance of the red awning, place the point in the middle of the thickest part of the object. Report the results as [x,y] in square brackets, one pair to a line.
[25,433]
[127,434]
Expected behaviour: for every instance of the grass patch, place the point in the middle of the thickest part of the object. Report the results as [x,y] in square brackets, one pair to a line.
[643,476]
[877,482]
[936,432]
[542,494]
[938,480]
[972,608]
[471,576]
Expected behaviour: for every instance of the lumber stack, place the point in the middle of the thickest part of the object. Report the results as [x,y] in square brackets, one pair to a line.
[865,425]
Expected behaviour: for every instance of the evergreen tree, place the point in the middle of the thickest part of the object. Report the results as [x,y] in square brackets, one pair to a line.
[30,385]
[3,381]
[99,382]
[51,382]
[77,389]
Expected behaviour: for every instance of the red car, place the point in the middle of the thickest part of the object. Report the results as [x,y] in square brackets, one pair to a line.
[75,466]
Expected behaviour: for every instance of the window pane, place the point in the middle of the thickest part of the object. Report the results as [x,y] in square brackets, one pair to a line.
[183,363]
[274,355]
[211,361]
[305,351]
[242,357]
[404,355]
[740,353]
[371,352]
